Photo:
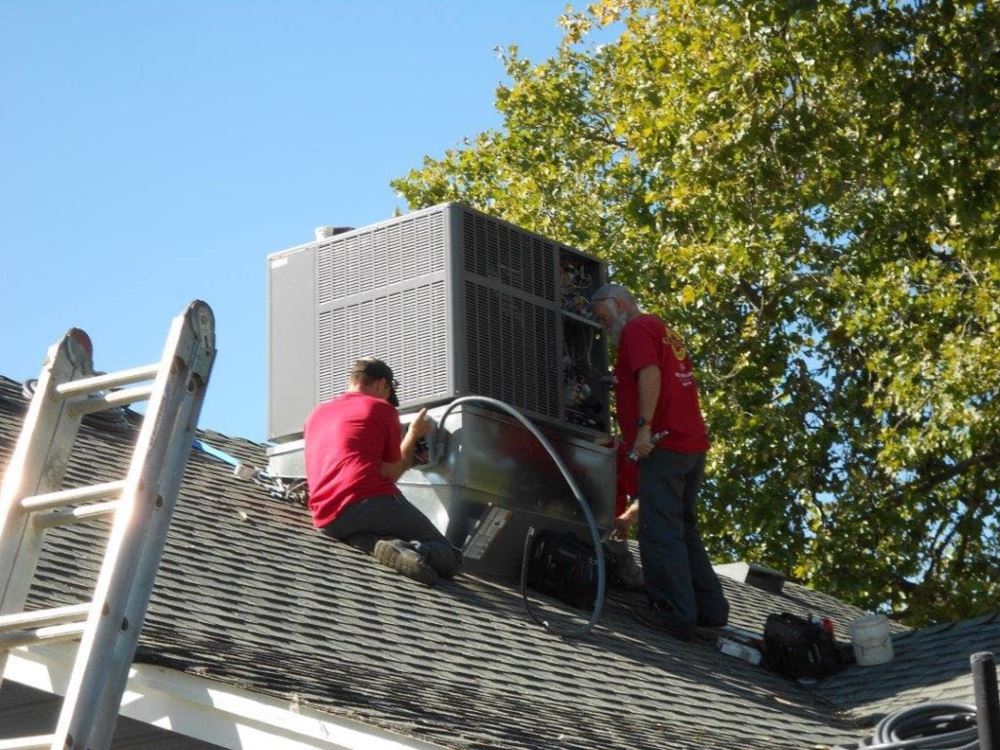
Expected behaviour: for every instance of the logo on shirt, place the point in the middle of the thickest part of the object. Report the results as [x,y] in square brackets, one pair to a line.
[685,378]
[676,343]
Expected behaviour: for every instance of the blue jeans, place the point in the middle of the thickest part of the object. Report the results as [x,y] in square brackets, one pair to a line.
[675,566]
[392,517]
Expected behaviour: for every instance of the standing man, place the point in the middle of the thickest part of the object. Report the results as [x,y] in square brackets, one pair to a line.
[656,395]
[354,456]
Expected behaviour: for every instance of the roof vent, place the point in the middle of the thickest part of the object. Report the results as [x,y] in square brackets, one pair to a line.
[760,576]
[326,232]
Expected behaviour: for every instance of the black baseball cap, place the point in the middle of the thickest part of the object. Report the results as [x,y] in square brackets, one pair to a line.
[376,369]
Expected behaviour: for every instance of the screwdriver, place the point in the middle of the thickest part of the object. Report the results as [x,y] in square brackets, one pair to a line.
[633,456]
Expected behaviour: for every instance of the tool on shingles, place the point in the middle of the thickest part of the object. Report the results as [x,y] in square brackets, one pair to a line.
[32,500]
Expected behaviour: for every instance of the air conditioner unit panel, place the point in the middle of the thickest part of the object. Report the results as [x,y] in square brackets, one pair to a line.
[457,302]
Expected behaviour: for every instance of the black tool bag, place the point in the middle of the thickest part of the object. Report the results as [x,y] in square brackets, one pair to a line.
[796,647]
[561,565]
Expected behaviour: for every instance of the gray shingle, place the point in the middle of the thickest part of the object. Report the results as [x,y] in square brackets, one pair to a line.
[250,595]
[931,664]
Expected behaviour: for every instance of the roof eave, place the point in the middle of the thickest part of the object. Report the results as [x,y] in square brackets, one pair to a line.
[211,711]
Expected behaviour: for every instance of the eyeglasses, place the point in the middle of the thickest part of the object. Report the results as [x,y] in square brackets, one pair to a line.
[394,383]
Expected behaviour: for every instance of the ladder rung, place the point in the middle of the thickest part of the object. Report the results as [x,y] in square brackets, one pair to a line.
[75,515]
[38,742]
[107,382]
[42,617]
[67,632]
[124,397]
[51,500]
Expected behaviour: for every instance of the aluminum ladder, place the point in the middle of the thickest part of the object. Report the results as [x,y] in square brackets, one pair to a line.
[33,500]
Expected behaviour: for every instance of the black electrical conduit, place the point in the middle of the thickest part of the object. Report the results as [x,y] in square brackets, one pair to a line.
[984,684]
[927,726]
[945,725]
[595,534]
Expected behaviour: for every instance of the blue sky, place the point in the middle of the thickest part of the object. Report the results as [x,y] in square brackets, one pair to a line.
[152,153]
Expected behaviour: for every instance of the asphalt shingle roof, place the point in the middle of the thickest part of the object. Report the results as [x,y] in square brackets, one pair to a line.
[250,595]
[931,664]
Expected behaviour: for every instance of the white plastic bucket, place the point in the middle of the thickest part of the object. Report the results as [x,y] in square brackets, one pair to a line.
[871,640]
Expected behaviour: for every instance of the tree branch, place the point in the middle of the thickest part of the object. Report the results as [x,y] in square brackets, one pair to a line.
[985,460]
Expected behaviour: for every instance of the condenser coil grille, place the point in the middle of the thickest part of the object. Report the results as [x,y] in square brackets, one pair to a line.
[457,302]
[495,250]
[512,346]
[399,328]
[362,261]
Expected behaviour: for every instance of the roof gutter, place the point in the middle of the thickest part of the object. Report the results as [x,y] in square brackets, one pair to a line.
[209,710]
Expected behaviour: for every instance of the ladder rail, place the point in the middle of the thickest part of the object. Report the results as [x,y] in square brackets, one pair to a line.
[37,467]
[145,566]
[32,501]
[138,533]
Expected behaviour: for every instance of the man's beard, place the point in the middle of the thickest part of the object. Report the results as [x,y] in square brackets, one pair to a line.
[615,326]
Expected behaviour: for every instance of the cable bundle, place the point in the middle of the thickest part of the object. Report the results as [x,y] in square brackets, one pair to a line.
[928,726]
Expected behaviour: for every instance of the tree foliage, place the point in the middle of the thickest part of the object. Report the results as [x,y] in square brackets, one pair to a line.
[811,191]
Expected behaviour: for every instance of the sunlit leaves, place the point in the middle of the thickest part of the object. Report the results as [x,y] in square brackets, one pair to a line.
[809,191]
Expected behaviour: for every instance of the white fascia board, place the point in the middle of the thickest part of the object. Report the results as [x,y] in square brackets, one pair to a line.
[209,710]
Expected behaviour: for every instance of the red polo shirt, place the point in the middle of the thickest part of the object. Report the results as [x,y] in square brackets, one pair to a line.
[347,440]
[645,340]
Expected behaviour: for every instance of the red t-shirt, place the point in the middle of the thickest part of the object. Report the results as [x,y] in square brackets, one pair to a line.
[645,340]
[347,440]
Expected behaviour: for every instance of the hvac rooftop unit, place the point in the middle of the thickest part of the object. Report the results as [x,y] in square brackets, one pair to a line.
[457,302]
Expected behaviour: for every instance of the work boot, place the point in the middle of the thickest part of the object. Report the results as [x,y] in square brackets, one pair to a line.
[661,617]
[401,557]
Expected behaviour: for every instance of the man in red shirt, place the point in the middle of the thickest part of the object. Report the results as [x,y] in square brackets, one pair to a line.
[659,417]
[354,456]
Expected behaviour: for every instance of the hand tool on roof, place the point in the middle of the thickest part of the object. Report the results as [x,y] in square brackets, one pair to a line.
[140,506]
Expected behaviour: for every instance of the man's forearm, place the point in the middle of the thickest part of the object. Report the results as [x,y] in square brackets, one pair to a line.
[649,391]
[407,447]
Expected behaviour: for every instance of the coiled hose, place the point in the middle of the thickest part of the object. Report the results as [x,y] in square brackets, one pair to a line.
[928,726]
[595,534]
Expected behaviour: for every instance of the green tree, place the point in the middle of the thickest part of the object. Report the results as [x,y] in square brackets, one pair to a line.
[809,190]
